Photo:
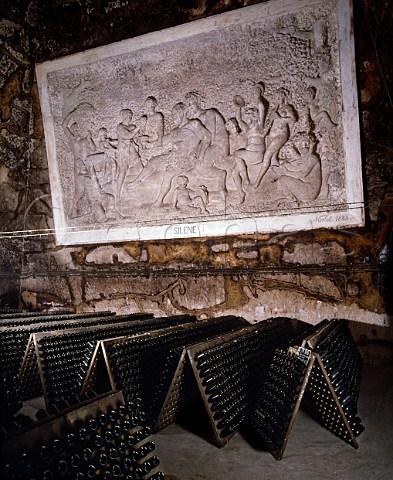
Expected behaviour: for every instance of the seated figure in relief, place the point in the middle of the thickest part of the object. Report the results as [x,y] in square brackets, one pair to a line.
[299,176]
[182,148]
[211,119]
[153,129]
[188,200]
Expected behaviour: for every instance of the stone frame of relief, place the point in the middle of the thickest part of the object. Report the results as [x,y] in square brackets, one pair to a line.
[239,123]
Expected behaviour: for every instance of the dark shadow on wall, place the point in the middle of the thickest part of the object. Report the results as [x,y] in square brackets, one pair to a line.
[9,299]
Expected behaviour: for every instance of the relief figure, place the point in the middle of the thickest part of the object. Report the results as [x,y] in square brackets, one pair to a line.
[185,145]
[299,175]
[153,129]
[101,192]
[237,137]
[127,154]
[215,123]
[105,170]
[252,123]
[188,200]
[281,120]
[237,140]
[324,93]
[81,147]
[316,113]
[108,172]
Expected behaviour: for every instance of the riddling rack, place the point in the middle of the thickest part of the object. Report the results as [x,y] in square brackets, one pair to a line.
[4,311]
[273,415]
[102,437]
[239,374]
[326,386]
[143,366]
[341,365]
[18,350]
[14,344]
[226,372]
[14,339]
[20,317]
[63,356]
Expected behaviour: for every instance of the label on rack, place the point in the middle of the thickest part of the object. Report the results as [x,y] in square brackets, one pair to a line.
[304,354]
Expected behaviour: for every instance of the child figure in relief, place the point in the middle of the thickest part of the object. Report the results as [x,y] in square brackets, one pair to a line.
[186,199]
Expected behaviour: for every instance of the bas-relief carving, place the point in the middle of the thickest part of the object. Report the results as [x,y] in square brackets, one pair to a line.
[237,122]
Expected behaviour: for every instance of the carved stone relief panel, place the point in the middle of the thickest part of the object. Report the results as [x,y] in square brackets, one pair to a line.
[240,123]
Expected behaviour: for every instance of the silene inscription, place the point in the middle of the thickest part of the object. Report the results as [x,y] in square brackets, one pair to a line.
[187,230]
[236,118]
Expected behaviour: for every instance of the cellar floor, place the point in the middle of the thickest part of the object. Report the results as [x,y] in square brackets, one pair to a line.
[312,453]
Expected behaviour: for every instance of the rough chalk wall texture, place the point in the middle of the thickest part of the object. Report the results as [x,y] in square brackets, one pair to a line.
[311,275]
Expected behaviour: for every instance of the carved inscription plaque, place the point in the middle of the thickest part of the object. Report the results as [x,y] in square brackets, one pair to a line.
[239,123]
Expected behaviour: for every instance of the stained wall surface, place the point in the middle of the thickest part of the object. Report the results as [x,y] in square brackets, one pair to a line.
[316,274]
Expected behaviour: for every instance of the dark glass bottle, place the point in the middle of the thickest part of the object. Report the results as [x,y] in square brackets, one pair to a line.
[91,471]
[71,440]
[62,467]
[98,441]
[57,445]
[44,452]
[149,464]
[116,470]
[75,460]
[82,434]
[157,476]
[113,453]
[103,419]
[113,415]
[48,475]
[93,424]
[122,447]
[103,459]
[87,453]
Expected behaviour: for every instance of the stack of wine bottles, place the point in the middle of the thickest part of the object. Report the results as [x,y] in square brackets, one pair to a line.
[271,415]
[230,364]
[14,337]
[15,332]
[16,346]
[343,364]
[102,437]
[169,353]
[64,357]
[12,319]
[322,405]
[231,372]
[324,378]
[165,408]
[8,310]
[144,367]
[224,375]
[234,370]
[10,402]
